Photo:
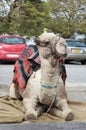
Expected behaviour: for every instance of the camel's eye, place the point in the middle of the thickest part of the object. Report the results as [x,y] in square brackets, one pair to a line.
[61,44]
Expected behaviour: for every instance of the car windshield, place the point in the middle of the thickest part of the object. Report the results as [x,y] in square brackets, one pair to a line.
[12,40]
[76,44]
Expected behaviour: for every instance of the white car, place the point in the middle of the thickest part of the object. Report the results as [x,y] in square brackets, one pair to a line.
[76,51]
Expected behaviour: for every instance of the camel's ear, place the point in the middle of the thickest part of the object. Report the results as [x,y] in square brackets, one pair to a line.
[60,34]
[37,41]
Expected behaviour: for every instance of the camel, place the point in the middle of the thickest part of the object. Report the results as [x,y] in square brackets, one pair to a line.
[46,92]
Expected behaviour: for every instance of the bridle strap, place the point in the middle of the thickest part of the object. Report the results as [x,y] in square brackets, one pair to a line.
[54,52]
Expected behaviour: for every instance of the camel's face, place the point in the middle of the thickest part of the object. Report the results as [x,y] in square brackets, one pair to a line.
[60,46]
[55,42]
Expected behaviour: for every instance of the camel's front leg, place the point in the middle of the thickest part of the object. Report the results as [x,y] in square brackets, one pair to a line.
[56,112]
[29,108]
[67,113]
[12,93]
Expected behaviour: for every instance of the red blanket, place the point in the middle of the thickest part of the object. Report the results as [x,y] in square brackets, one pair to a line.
[28,61]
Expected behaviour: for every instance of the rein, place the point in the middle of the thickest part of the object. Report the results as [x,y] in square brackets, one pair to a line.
[56,86]
[54,96]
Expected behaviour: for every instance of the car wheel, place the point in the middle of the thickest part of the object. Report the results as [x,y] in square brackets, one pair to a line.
[83,62]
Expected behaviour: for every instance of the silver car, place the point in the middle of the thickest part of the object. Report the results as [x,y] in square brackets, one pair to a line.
[76,51]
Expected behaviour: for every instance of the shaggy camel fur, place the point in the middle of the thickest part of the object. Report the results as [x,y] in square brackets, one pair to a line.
[46,89]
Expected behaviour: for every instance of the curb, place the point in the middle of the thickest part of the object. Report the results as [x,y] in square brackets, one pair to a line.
[78,86]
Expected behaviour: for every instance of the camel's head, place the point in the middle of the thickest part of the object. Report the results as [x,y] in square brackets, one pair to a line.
[55,42]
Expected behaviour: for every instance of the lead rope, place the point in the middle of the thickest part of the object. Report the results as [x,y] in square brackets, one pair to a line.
[53,99]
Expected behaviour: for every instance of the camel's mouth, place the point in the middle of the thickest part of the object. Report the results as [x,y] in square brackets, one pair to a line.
[57,54]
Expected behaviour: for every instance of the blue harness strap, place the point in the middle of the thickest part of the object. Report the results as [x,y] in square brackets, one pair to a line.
[48,86]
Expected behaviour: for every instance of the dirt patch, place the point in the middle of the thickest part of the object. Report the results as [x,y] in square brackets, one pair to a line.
[11,110]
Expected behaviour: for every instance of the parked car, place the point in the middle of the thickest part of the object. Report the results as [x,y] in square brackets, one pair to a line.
[11,46]
[76,51]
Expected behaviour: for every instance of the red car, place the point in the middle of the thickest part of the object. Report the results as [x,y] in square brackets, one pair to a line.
[11,46]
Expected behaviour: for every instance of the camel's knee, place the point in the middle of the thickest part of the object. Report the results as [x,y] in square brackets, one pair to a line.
[66,115]
[29,109]
[33,114]
[12,91]
[66,111]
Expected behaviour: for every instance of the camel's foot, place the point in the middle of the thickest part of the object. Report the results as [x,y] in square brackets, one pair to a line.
[68,116]
[31,116]
[66,111]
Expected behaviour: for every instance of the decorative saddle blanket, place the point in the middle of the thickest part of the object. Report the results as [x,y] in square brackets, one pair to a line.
[28,62]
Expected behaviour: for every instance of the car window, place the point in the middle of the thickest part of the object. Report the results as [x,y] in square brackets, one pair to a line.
[12,40]
[76,44]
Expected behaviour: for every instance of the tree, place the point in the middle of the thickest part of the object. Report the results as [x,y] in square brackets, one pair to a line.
[68,16]
[28,17]
[4,11]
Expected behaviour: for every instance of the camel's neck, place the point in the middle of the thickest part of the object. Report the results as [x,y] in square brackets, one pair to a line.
[49,74]
[49,68]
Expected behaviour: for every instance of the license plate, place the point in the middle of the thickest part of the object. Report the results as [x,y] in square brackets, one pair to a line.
[13,55]
[76,50]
